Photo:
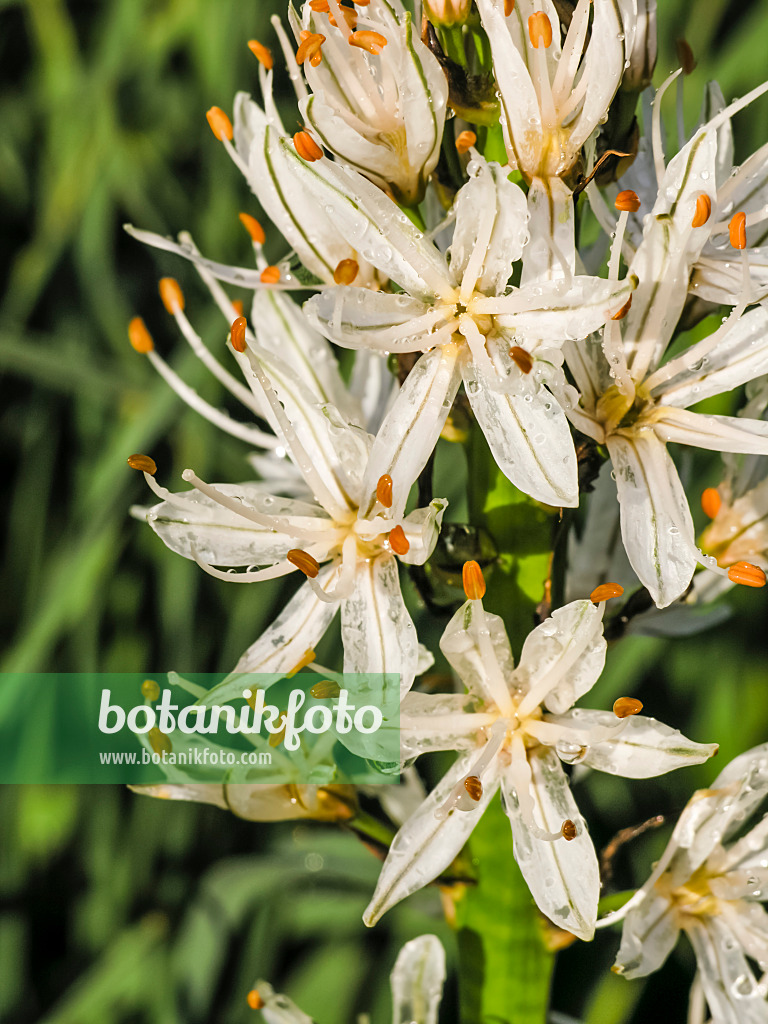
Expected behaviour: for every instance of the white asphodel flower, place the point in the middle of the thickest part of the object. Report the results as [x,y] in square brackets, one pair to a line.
[378,96]
[348,557]
[709,884]
[635,404]
[503,342]
[552,100]
[416,981]
[512,728]
[287,802]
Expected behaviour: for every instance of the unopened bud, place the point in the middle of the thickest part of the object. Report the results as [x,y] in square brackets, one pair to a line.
[447,12]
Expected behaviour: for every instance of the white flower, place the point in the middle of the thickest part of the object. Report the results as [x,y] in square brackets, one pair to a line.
[512,728]
[264,802]
[709,884]
[642,54]
[378,97]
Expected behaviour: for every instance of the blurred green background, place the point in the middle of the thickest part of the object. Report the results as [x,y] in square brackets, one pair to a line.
[113,907]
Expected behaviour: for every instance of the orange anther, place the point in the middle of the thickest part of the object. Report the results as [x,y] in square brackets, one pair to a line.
[139,336]
[304,562]
[220,124]
[685,56]
[746,574]
[171,294]
[309,46]
[143,463]
[306,147]
[384,490]
[252,226]
[270,275]
[276,738]
[509,6]
[324,689]
[568,830]
[540,30]
[319,6]
[711,501]
[465,141]
[237,333]
[361,3]
[474,787]
[398,541]
[254,1000]
[624,707]
[306,659]
[523,360]
[737,229]
[703,210]
[346,271]
[159,741]
[473,580]
[262,53]
[605,592]
[628,201]
[624,309]
[150,690]
[373,42]
[238,306]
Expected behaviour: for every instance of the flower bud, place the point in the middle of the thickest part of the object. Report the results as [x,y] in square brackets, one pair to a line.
[447,12]
[642,58]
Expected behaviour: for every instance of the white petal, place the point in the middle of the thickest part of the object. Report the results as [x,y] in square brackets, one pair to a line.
[729,985]
[360,318]
[279,1009]
[656,522]
[603,66]
[712,103]
[648,937]
[376,629]
[643,749]
[426,845]
[563,876]
[422,528]
[717,276]
[409,433]
[461,645]
[551,252]
[526,430]
[196,792]
[417,981]
[439,721]
[716,433]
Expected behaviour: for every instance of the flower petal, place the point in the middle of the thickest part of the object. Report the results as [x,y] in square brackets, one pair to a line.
[648,937]
[461,643]
[439,721]
[715,433]
[417,981]
[730,988]
[360,318]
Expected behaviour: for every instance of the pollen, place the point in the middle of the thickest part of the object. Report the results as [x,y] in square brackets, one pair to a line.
[398,541]
[465,141]
[139,336]
[171,294]
[324,689]
[703,211]
[384,490]
[254,229]
[304,562]
[605,592]
[372,42]
[474,787]
[306,659]
[270,275]
[473,581]
[150,690]
[711,501]
[159,741]
[310,48]
[540,30]
[624,309]
[737,229]
[237,333]
[509,6]
[627,201]
[306,147]
[220,124]
[523,360]
[262,53]
[346,271]
[568,830]
[747,574]
[254,1000]
[143,463]
[624,707]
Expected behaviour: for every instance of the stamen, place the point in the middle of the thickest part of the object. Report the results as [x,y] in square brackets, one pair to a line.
[139,336]
[143,463]
[474,787]
[276,738]
[346,271]
[171,294]
[254,229]
[469,790]
[366,39]
[540,30]
[325,689]
[627,200]
[685,56]
[509,6]
[737,230]
[304,562]
[238,306]
[473,581]
[150,690]
[568,830]
[306,659]
[465,141]
[159,741]
[398,541]
[220,124]
[310,46]
[703,211]
[270,275]
[306,147]
[262,53]
[254,1000]
[384,490]
[624,309]
[711,501]
[237,334]
[626,706]
[605,592]
[297,80]
[523,360]
[747,574]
